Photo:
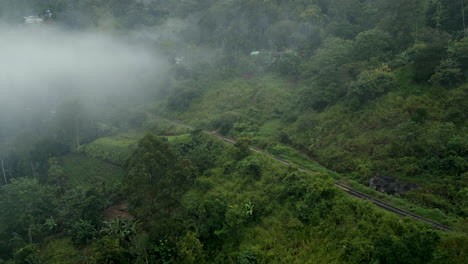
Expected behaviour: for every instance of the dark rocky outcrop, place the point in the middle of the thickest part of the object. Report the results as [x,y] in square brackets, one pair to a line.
[390,185]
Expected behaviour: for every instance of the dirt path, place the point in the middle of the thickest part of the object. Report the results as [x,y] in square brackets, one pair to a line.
[118,210]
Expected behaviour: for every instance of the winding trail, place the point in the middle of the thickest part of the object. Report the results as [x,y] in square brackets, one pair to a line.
[340,186]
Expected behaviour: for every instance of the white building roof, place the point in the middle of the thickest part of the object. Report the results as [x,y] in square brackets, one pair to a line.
[33,20]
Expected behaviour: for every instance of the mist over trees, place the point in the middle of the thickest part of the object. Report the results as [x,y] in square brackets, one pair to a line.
[357,91]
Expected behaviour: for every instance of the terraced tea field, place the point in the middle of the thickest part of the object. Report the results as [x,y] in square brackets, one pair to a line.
[114,150]
[80,169]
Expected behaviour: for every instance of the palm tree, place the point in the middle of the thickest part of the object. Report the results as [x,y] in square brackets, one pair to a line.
[120,228]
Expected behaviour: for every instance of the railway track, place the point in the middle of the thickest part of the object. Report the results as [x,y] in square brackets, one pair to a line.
[391,208]
[340,186]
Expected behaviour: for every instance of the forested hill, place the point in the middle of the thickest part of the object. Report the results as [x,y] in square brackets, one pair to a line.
[375,90]
[372,94]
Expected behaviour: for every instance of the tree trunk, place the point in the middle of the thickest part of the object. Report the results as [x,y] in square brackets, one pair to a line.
[30,234]
[463,16]
[77,134]
[4,175]
[32,170]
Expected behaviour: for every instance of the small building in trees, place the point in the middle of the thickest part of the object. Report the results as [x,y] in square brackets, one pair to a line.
[47,17]
[33,20]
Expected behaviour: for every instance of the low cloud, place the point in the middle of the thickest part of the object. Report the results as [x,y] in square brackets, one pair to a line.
[42,62]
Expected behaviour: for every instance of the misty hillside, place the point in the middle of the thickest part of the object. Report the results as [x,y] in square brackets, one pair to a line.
[240,131]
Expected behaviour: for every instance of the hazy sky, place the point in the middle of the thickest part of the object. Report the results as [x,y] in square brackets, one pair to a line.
[40,61]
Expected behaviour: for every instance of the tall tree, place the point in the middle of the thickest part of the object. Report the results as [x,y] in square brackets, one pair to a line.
[156,180]
[3,170]
[403,19]
[448,15]
[70,117]
[56,173]
[26,205]
[463,16]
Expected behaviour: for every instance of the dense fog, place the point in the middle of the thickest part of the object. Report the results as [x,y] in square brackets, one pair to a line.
[41,62]
[44,67]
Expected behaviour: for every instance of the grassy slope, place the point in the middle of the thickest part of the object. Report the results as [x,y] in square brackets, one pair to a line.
[61,251]
[364,141]
[257,99]
[285,227]
[294,156]
[267,101]
[274,233]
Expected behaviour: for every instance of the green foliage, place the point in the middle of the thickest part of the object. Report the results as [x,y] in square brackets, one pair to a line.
[426,57]
[105,130]
[459,51]
[287,64]
[226,122]
[415,247]
[190,249]
[59,251]
[27,205]
[280,213]
[45,149]
[157,175]
[164,252]
[120,228]
[371,84]
[208,211]
[83,232]
[325,65]
[445,14]
[110,251]
[327,73]
[183,95]
[199,149]
[55,173]
[254,100]
[372,44]
[241,149]
[164,128]
[250,167]
[27,255]
[82,203]
[312,201]
[247,257]
[217,207]
[199,203]
[447,76]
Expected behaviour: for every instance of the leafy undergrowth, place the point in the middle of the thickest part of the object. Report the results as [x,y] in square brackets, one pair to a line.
[60,250]
[397,117]
[221,203]
[81,169]
[434,214]
[247,208]
[247,102]
[176,138]
[294,156]
[163,128]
